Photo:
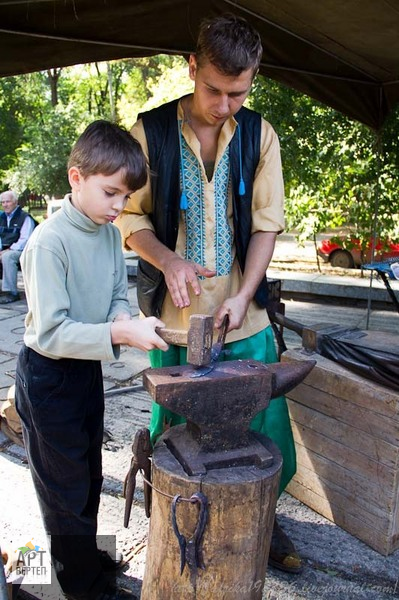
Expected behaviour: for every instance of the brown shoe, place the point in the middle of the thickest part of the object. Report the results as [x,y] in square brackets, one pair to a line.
[282,553]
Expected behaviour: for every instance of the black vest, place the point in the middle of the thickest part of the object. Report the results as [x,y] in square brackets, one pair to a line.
[10,234]
[161,130]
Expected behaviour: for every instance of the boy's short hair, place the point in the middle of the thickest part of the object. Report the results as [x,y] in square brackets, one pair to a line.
[230,44]
[105,148]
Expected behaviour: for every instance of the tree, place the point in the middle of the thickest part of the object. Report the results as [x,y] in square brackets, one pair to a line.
[45,112]
[12,106]
[333,168]
[45,136]
[42,158]
[53,77]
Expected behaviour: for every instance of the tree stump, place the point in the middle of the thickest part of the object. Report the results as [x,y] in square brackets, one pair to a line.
[236,541]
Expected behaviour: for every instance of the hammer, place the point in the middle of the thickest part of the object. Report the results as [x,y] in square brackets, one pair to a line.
[199,339]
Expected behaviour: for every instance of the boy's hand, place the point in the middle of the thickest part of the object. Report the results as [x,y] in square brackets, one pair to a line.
[123,317]
[178,274]
[139,333]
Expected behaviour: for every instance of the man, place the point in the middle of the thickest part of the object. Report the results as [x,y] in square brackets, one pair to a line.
[15,228]
[206,224]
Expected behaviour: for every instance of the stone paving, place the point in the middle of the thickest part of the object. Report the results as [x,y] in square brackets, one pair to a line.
[337,565]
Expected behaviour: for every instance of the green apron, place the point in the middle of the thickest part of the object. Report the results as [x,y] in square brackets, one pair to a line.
[273,422]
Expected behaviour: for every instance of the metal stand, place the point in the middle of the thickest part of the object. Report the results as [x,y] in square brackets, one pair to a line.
[383,269]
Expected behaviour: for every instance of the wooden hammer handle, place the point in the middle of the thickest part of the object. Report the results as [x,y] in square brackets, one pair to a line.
[172,336]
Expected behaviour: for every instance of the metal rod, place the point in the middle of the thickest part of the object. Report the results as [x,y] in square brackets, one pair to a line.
[288,323]
[389,289]
[374,227]
[124,390]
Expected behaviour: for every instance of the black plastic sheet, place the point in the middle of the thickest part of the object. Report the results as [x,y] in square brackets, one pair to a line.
[353,350]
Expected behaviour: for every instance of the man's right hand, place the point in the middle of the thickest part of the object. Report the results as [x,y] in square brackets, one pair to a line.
[179,274]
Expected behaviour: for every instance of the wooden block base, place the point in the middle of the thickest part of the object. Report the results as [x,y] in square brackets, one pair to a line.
[346,432]
[235,549]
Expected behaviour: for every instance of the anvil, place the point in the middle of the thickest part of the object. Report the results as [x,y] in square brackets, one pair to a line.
[219,408]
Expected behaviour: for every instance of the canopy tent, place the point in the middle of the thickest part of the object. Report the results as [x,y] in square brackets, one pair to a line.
[344,53]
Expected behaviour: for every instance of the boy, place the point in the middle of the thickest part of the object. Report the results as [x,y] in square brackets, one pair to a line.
[78,314]
[205,225]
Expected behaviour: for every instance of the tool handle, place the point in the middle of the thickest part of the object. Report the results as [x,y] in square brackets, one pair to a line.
[288,323]
[170,336]
[223,330]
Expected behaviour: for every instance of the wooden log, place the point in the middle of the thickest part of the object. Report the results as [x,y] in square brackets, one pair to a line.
[236,542]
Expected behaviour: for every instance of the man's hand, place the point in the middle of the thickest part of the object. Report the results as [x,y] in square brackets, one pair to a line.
[236,307]
[179,274]
[260,251]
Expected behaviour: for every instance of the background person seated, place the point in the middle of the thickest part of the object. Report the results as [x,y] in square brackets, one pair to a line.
[16,226]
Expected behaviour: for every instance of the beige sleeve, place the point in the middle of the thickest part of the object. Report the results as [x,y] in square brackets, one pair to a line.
[135,215]
[268,191]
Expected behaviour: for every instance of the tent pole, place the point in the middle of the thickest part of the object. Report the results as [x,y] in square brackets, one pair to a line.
[375,220]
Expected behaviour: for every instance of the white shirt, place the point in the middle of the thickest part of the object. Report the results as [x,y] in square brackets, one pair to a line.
[26,231]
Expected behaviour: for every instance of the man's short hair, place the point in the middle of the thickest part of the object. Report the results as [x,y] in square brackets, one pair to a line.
[105,148]
[10,195]
[230,44]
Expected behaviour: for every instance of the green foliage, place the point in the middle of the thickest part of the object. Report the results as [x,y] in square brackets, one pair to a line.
[37,137]
[46,135]
[336,171]
[11,131]
[172,82]
[153,81]
[43,156]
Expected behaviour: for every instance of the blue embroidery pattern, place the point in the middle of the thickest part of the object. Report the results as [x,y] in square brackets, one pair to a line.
[223,233]
[195,213]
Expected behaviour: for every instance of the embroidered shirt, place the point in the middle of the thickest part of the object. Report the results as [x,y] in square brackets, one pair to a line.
[206,226]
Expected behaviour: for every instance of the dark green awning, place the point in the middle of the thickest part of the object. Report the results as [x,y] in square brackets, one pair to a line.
[344,53]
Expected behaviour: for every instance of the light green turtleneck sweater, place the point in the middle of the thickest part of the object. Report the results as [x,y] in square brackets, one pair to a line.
[76,283]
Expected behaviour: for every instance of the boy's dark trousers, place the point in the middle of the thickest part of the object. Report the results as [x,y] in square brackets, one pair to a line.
[61,405]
